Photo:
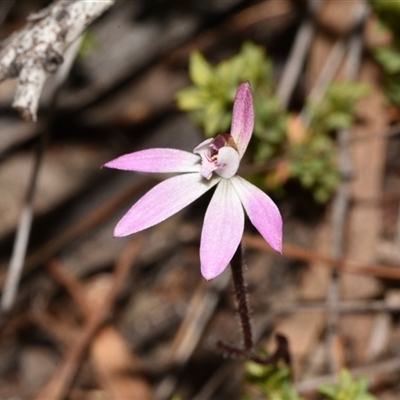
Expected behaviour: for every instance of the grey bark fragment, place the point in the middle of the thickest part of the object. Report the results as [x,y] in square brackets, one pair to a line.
[37,50]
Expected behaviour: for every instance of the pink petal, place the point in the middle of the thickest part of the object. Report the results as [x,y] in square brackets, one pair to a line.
[207,168]
[262,211]
[164,200]
[222,230]
[228,162]
[207,165]
[242,117]
[204,147]
[157,160]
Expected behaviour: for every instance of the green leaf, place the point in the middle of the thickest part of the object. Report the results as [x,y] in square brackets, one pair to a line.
[312,163]
[389,58]
[348,388]
[200,71]
[272,381]
[189,99]
[339,120]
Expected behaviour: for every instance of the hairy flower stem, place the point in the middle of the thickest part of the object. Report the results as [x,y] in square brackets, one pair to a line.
[241,299]
[247,350]
[239,284]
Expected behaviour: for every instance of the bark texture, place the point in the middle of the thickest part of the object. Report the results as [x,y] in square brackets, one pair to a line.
[37,50]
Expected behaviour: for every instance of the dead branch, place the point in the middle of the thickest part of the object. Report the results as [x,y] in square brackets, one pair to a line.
[37,50]
[302,254]
[64,375]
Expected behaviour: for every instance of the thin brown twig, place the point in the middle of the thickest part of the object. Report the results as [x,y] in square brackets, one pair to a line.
[302,254]
[60,333]
[341,200]
[343,307]
[25,221]
[62,379]
[298,53]
[71,285]
[240,21]
[372,372]
[83,225]
[201,308]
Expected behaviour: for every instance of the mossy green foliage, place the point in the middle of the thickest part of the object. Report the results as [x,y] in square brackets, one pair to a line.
[348,388]
[273,382]
[211,98]
[314,161]
[389,59]
[311,160]
[313,164]
[388,56]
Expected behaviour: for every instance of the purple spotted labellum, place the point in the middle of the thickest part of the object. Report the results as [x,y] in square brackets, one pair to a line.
[213,162]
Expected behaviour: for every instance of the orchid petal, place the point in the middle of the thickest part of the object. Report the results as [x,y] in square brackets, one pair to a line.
[242,117]
[164,200]
[157,160]
[207,168]
[228,162]
[262,211]
[207,165]
[204,147]
[222,230]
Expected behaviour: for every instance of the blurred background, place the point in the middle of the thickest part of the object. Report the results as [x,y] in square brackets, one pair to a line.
[131,318]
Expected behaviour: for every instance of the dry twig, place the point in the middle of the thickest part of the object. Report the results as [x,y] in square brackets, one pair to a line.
[38,49]
[342,198]
[297,55]
[200,310]
[306,255]
[374,373]
[25,222]
[71,284]
[264,11]
[83,225]
[58,386]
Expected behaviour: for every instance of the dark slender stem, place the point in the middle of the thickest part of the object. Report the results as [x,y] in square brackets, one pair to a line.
[241,299]
[247,351]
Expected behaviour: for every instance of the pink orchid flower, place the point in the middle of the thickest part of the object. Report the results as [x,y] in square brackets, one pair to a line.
[213,162]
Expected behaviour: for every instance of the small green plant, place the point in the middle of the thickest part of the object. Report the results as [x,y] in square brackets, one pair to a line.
[273,382]
[337,109]
[388,54]
[348,388]
[313,164]
[210,100]
[306,154]
[313,159]
[389,59]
